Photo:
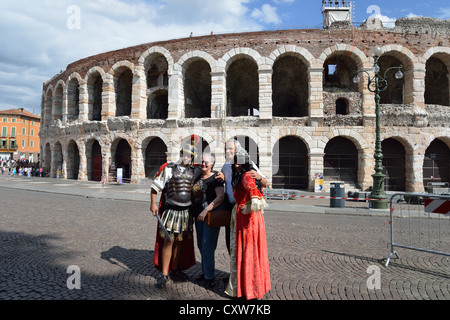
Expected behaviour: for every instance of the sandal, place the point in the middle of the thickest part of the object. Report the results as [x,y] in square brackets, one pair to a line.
[162,281]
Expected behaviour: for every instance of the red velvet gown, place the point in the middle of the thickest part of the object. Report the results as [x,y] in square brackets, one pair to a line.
[250,274]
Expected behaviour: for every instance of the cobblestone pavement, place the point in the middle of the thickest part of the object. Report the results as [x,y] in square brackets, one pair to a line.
[312,256]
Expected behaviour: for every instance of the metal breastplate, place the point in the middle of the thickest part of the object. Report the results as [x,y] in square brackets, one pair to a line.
[179,187]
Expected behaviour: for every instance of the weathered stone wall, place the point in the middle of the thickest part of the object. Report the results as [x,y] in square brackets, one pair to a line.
[412,42]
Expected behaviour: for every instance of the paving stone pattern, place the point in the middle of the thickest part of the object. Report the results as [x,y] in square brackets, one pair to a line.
[312,256]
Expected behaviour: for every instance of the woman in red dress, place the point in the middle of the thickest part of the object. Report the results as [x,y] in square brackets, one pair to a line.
[249,274]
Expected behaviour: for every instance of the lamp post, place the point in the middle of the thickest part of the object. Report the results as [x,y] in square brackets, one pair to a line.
[378,84]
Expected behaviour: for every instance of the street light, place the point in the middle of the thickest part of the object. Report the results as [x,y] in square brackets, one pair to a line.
[378,84]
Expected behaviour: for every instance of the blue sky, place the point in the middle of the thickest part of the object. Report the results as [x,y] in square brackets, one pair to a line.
[40,38]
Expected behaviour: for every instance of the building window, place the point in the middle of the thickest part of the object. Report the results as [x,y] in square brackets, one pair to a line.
[13,131]
[23,143]
[32,132]
[24,131]
[32,144]
[32,123]
[14,120]
[5,119]
[4,131]
[24,121]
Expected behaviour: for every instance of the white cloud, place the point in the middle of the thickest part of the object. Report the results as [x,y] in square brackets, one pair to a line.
[37,41]
[444,13]
[387,21]
[283,1]
[267,14]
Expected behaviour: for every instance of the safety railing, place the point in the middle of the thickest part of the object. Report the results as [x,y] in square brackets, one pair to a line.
[419,221]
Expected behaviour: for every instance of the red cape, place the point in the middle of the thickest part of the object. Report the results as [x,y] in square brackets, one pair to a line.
[187,258]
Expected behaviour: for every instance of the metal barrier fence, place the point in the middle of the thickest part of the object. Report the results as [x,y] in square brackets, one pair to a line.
[420,222]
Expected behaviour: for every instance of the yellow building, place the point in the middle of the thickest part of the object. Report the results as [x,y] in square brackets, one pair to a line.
[19,140]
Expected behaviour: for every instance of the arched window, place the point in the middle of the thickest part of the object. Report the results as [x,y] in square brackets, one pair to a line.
[242,87]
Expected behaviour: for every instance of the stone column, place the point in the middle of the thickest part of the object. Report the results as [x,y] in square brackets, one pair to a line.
[83,107]
[64,103]
[315,96]
[448,76]
[108,97]
[368,100]
[176,96]
[265,152]
[139,97]
[82,170]
[218,93]
[65,157]
[414,173]
[265,93]
[106,160]
[366,165]
[414,91]
[315,166]
[137,164]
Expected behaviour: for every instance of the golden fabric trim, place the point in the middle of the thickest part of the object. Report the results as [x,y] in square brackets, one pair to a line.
[232,282]
[254,205]
[176,222]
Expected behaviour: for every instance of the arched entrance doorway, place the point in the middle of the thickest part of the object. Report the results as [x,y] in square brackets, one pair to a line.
[292,164]
[436,165]
[96,156]
[122,159]
[393,165]
[155,155]
[73,161]
[341,161]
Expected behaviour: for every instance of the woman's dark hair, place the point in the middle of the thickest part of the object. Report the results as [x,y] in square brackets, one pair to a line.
[246,165]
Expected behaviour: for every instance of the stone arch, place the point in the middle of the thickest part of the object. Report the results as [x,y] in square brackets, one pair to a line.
[48,105]
[290,84]
[339,63]
[74,82]
[197,84]
[156,64]
[242,82]
[234,54]
[401,91]
[157,49]
[353,52]
[57,159]
[437,76]
[95,77]
[94,159]
[352,135]
[436,164]
[303,54]
[58,98]
[191,56]
[73,159]
[290,163]
[122,73]
[121,155]
[47,159]
[154,154]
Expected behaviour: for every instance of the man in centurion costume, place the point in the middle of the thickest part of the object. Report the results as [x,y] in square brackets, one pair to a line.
[174,181]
